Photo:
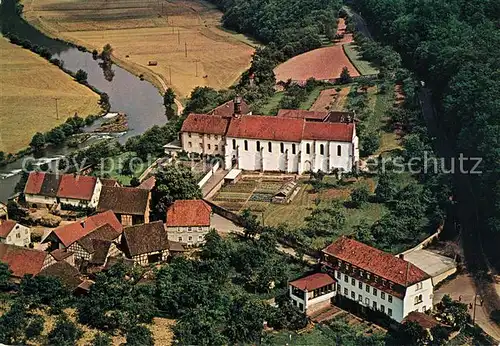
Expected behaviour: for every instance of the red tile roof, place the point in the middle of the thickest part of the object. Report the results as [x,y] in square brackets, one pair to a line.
[61,254]
[203,123]
[22,260]
[376,261]
[340,132]
[424,320]
[186,213]
[5,227]
[312,282]
[302,114]
[266,127]
[76,187]
[70,233]
[148,184]
[34,183]
[226,110]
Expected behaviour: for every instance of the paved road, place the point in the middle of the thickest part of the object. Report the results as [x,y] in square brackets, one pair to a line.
[467,214]
[361,25]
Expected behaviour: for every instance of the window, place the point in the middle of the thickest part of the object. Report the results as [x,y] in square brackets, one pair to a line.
[18,235]
[375,292]
[389,312]
[190,145]
[282,148]
[339,276]
[346,292]
[189,134]
[9,238]
[420,285]
[418,299]
[382,308]
[353,282]
[338,287]
[216,147]
[389,297]
[374,305]
[360,298]
[200,135]
[424,308]
[190,238]
[360,285]
[368,276]
[293,149]
[258,145]
[382,295]
[216,137]
[246,145]
[234,144]
[360,273]
[308,148]
[346,278]
[367,288]
[209,136]
[353,295]
[190,229]
[25,231]
[367,301]
[322,149]
[199,229]
[208,146]
[201,145]
[339,150]
[180,239]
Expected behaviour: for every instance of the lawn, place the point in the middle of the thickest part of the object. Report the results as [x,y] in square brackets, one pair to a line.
[182,36]
[114,166]
[29,86]
[364,67]
[271,107]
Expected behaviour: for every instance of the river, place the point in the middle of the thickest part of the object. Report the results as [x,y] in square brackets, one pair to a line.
[140,100]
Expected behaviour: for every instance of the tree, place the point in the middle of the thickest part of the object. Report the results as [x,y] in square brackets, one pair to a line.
[101,339]
[140,336]
[202,100]
[43,290]
[173,183]
[386,187]
[250,223]
[134,182]
[411,333]
[12,324]
[325,221]
[55,136]
[107,50]
[360,196]
[81,76]
[5,274]
[245,321]
[38,141]
[369,142]
[35,327]
[65,333]
[453,312]
[169,101]
[345,77]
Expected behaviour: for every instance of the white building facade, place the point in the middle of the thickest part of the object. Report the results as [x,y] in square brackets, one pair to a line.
[13,233]
[312,293]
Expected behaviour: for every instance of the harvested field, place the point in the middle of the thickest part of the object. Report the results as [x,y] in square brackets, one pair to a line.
[341,27]
[321,64]
[29,86]
[150,30]
[330,99]
[364,67]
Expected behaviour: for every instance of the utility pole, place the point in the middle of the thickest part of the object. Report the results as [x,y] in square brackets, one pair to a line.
[196,61]
[186,49]
[178,36]
[57,109]
[170,74]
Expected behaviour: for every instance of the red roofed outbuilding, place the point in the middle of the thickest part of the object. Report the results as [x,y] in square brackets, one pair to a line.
[312,292]
[188,221]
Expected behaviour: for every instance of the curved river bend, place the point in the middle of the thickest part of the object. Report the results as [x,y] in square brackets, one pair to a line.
[140,100]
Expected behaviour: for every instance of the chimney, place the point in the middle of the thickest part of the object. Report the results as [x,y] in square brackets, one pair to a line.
[402,256]
[82,224]
[237,106]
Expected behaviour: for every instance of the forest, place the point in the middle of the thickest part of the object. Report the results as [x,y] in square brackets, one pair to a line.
[454,47]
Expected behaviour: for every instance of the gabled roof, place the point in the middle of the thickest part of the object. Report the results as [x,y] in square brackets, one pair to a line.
[22,260]
[61,254]
[123,200]
[101,250]
[302,114]
[6,226]
[340,132]
[376,261]
[65,272]
[186,213]
[109,182]
[34,183]
[226,110]
[424,320]
[40,183]
[266,127]
[104,233]
[148,184]
[75,186]
[312,282]
[204,123]
[70,233]
[145,238]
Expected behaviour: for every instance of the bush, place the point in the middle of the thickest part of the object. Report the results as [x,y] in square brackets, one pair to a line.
[360,196]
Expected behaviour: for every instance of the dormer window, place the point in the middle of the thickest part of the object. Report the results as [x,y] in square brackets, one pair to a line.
[368,276]
[361,273]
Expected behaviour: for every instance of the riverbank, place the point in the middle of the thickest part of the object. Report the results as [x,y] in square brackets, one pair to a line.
[177,46]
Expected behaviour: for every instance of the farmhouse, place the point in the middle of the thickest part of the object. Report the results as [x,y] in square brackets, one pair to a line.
[14,234]
[63,236]
[23,260]
[98,245]
[48,189]
[130,205]
[266,143]
[312,293]
[188,221]
[146,243]
[377,280]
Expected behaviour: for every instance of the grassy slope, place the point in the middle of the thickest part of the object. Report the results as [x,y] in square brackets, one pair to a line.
[363,66]
[28,88]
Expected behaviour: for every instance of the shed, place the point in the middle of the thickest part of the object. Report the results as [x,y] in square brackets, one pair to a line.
[286,193]
[233,176]
[152,63]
